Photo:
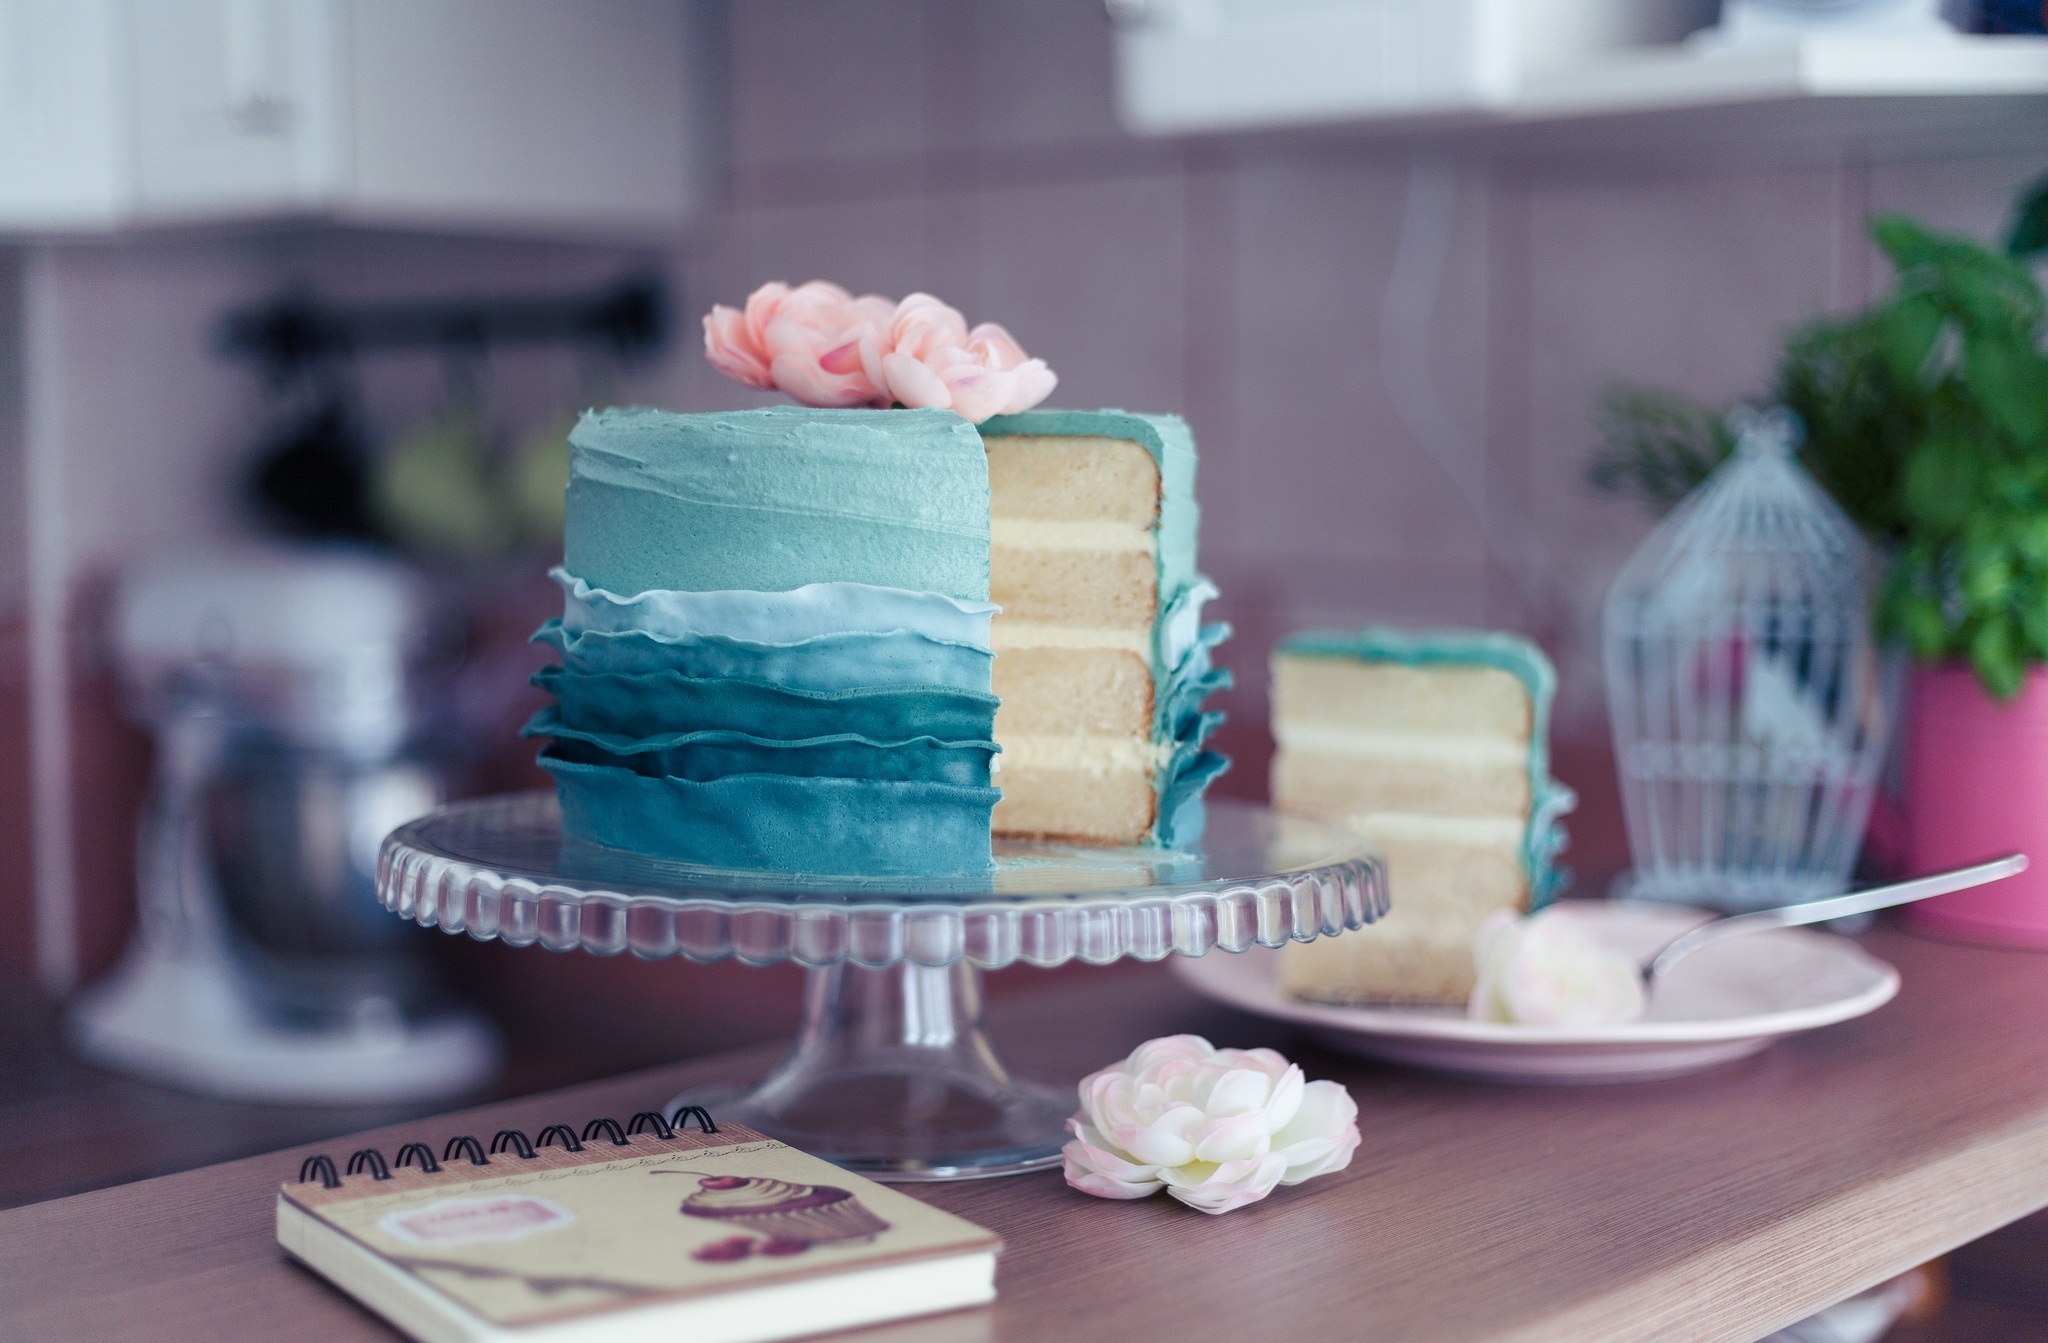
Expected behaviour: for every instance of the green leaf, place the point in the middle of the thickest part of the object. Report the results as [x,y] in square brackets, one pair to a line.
[2028,236]
[1654,446]
[1940,485]
[2034,628]
[1907,331]
[2030,539]
[1987,581]
[1997,661]
[1904,240]
[1905,610]
[2008,377]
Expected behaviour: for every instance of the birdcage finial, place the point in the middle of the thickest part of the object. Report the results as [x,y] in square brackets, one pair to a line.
[1765,431]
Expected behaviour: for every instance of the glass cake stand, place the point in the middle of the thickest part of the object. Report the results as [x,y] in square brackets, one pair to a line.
[891,1073]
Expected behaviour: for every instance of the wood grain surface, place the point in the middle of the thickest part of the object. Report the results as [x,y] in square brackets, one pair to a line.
[1714,1208]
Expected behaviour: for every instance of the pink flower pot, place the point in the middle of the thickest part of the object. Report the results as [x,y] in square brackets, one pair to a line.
[1977,788]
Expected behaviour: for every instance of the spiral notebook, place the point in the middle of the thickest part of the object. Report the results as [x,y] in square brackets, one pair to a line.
[658,1229]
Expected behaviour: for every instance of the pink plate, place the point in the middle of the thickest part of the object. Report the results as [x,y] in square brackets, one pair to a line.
[1723,1003]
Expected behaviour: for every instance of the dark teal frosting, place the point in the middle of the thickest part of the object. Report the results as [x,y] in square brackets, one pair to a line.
[775,822]
[708,755]
[645,704]
[1545,838]
[1189,768]
[771,500]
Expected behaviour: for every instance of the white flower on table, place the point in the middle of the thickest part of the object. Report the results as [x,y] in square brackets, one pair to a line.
[1215,1128]
[1549,970]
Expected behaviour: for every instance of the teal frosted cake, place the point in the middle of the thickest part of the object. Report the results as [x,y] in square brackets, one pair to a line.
[1437,745]
[864,641]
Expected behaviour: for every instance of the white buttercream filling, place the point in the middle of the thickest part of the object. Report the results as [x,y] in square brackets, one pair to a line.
[1088,534]
[1047,634]
[775,617]
[1084,754]
[1425,748]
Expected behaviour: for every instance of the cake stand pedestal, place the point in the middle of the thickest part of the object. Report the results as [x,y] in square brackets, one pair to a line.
[891,1073]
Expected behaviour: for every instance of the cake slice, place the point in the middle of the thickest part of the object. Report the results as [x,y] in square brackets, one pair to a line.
[1436,745]
[1101,658]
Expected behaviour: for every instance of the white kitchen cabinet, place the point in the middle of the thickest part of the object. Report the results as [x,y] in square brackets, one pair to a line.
[562,117]
[1231,65]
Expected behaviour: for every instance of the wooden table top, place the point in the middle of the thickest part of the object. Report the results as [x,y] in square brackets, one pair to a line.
[1713,1208]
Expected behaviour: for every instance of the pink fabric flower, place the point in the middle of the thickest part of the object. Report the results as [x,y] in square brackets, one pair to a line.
[824,347]
[818,343]
[1215,1128]
[934,360]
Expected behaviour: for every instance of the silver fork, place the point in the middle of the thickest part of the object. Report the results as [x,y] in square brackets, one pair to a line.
[1835,907]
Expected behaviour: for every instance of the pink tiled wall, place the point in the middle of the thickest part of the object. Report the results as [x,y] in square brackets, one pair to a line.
[971,148]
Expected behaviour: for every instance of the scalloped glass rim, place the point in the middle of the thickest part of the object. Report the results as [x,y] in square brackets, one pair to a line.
[499,869]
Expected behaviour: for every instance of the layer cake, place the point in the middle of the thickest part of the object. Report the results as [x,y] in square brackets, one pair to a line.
[781,645]
[1436,745]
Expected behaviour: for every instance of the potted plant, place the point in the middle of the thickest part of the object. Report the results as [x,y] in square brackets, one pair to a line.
[1926,416]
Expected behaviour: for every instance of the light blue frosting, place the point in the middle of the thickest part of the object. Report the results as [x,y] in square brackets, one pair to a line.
[1544,838]
[775,499]
[774,617]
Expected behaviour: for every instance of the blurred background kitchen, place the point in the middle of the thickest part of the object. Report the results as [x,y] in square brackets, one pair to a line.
[297,298]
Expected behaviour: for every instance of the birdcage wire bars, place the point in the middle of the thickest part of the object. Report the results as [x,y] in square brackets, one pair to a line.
[1743,686]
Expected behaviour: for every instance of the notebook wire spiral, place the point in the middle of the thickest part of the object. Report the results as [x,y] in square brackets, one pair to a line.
[466,1146]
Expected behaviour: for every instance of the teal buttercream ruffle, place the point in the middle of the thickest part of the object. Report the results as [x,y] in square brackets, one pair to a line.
[1180,720]
[824,663]
[704,756]
[822,826]
[647,704]
[843,752]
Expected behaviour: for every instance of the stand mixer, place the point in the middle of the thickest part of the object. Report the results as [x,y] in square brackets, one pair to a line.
[277,686]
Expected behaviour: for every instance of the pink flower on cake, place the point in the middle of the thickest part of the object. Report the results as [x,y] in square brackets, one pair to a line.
[824,347]
[934,360]
[1215,1128]
[818,343]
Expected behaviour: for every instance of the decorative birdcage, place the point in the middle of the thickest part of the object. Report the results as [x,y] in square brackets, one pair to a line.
[1743,686]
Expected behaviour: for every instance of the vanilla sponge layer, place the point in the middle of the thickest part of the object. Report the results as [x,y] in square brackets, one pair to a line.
[1062,691]
[1101,789]
[1432,763]
[1445,876]
[1073,562]
[1439,700]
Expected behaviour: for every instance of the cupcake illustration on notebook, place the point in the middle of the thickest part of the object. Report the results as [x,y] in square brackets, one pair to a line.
[788,1218]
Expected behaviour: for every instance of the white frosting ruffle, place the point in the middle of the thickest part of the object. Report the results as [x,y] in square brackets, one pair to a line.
[775,617]
[1180,627]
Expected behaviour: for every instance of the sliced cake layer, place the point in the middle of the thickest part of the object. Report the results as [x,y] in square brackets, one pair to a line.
[1436,746]
[1099,644]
